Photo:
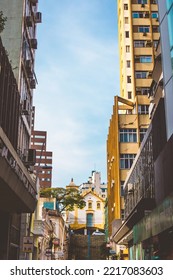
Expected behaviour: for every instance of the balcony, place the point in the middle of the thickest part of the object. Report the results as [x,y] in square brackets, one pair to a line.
[139,186]
[139,192]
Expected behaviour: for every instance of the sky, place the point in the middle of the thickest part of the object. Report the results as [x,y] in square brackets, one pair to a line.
[78,76]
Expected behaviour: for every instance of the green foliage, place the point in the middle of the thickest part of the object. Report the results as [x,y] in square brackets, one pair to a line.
[2,21]
[67,198]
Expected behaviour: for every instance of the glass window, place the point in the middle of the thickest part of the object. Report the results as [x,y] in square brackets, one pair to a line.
[125,6]
[155,28]
[142,133]
[143,109]
[170,27]
[146,59]
[142,1]
[154,14]
[144,29]
[128,63]
[129,79]
[129,94]
[128,135]
[126,160]
[141,75]
[127,34]
[90,205]
[142,91]
[127,48]
[139,43]
[98,205]
[122,188]
[126,20]
[169,3]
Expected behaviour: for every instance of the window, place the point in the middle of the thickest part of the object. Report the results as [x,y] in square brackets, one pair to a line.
[142,132]
[129,94]
[122,188]
[154,14]
[126,160]
[98,205]
[144,29]
[127,48]
[125,6]
[122,214]
[142,91]
[155,43]
[143,109]
[126,20]
[139,44]
[144,59]
[128,63]
[89,205]
[142,1]
[128,135]
[155,29]
[129,79]
[169,3]
[141,74]
[140,15]
[127,34]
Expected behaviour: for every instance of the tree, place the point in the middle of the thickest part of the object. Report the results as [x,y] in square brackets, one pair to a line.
[67,199]
[2,21]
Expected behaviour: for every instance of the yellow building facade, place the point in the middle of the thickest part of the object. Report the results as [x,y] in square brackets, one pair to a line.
[138,37]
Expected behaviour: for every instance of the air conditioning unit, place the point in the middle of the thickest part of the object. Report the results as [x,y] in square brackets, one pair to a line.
[144,34]
[146,15]
[25,107]
[33,43]
[38,17]
[148,43]
[34,2]
[30,157]
[149,74]
[28,21]
[28,67]
[32,83]
[143,5]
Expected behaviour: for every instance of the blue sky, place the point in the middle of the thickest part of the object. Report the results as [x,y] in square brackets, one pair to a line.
[78,76]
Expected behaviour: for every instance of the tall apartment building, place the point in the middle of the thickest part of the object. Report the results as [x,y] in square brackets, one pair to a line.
[43,165]
[166,29]
[138,37]
[19,40]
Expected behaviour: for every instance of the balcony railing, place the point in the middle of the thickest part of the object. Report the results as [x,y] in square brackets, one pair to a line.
[139,186]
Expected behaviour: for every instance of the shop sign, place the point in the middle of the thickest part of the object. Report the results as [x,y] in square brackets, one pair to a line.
[28,244]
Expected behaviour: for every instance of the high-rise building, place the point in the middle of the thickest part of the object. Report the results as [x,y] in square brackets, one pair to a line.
[166,29]
[19,40]
[138,37]
[43,165]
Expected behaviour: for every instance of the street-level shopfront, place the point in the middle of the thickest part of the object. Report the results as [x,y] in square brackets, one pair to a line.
[153,235]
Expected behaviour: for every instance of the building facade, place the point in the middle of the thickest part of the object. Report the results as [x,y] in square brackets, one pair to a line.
[19,40]
[92,216]
[43,166]
[148,225]
[138,37]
